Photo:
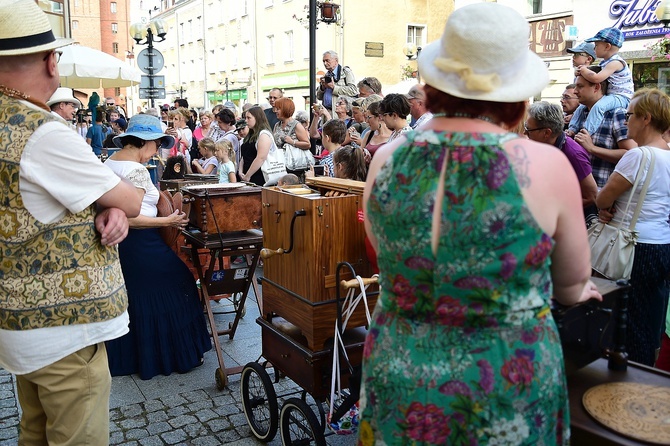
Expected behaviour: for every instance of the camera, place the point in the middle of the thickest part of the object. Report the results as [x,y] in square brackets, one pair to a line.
[319,170]
[327,79]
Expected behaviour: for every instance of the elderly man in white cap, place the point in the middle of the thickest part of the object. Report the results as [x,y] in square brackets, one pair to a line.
[62,286]
[64,104]
[417,106]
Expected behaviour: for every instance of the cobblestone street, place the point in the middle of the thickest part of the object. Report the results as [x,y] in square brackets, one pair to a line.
[180,409]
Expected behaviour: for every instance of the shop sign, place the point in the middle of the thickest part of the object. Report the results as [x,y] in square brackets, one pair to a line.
[233,95]
[291,79]
[547,37]
[636,14]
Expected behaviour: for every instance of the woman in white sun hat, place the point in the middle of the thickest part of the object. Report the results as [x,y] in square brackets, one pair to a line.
[475,229]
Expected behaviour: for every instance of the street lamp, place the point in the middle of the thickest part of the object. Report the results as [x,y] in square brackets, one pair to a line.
[663,12]
[412,51]
[181,90]
[144,34]
[225,81]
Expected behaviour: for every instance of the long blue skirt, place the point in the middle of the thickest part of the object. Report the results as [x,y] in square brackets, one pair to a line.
[168,332]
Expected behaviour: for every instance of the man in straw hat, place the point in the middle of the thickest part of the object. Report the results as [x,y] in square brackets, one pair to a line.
[475,229]
[63,212]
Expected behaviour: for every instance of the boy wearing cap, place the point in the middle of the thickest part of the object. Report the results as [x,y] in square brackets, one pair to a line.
[583,54]
[615,70]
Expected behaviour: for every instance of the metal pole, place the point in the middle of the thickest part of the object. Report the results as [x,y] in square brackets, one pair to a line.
[312,57]
[150,41]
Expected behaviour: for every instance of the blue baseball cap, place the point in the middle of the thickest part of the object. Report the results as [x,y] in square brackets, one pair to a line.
[584,47]
[613,36]
[148,128]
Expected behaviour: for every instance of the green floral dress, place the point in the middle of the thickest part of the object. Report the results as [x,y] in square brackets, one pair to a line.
[462,349]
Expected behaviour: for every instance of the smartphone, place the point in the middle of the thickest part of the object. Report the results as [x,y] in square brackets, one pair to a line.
[319,170]
[170,124]
[327,79]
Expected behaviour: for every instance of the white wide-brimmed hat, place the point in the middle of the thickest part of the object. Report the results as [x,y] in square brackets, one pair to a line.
[63,94]
[483,54]
[25,29]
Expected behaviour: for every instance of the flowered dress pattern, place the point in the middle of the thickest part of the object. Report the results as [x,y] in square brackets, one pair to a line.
[462,349]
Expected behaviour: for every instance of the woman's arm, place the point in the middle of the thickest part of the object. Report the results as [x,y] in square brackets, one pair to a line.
[177,219]
[615,186]
[262,149]
[302,138]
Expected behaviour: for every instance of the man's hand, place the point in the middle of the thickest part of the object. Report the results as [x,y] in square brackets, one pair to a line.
[112,224]
[584,139]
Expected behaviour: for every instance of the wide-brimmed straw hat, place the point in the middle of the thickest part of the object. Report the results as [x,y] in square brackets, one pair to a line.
[63,94]
[25,29]
[483,55]
[145,127]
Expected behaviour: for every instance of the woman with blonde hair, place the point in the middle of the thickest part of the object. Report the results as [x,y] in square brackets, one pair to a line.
[476,229]
[178,129]
[648,117]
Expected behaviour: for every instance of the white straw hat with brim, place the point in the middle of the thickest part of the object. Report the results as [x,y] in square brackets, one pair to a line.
[483,55]
[25,29]
[63,94]
[147,128]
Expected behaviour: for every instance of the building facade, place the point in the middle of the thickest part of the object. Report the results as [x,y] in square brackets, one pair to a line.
[237,50]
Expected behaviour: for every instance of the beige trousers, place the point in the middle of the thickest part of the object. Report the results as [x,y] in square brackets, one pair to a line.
[67,402]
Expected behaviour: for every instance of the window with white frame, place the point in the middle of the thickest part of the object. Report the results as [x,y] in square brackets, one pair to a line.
[115,28]
[269,50]
[416,34]
[245,8]
[115,48]
[181,33]
[221,59]
[536,5]
[112,7]
[246,54]
[288,46]
[198,29]
[233,56]
[269,3]
[75,24]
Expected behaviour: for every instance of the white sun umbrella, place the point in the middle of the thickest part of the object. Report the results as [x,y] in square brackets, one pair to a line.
[84,67]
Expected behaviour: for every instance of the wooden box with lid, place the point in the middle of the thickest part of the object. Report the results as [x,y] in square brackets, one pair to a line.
[221,208]
[308,230]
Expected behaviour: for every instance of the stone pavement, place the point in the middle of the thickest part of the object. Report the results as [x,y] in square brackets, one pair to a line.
[180,409]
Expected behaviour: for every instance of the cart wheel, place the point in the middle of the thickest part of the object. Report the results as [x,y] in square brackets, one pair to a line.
[259,402]
[299,424]
[221,379]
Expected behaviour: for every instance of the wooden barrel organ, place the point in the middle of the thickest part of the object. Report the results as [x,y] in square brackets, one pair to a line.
[308,230]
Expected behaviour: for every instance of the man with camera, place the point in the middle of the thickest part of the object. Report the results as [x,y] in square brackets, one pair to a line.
[338,81]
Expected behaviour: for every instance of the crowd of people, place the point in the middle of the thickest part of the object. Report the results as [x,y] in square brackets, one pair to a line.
[462,321]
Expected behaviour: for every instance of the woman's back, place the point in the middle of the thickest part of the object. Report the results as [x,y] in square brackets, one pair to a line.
[466,335]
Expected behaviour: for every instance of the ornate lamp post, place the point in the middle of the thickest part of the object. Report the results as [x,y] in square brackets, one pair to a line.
[144,34]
